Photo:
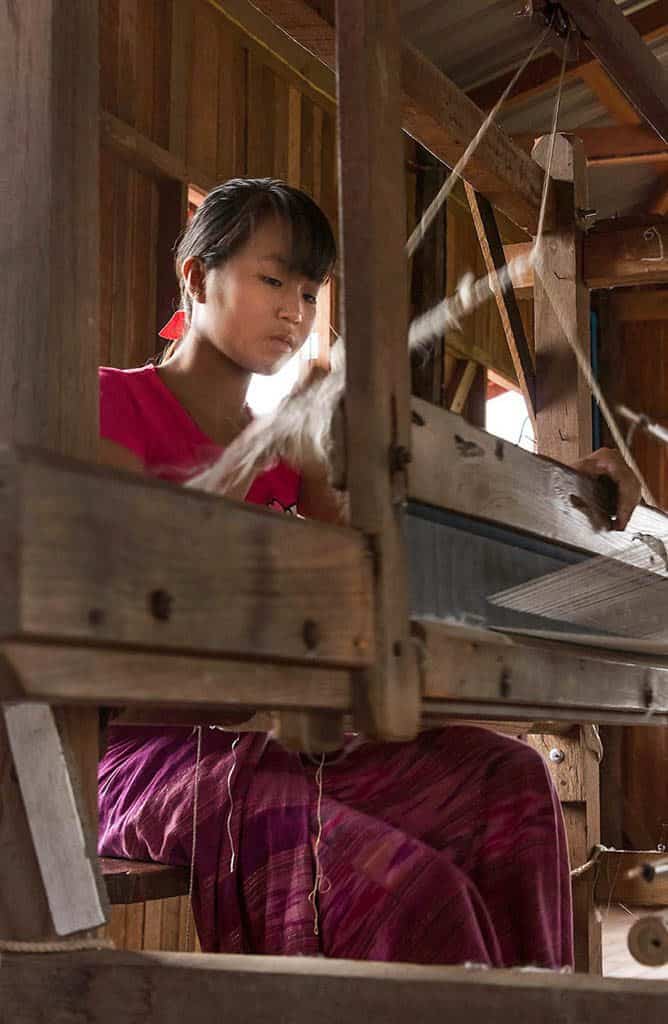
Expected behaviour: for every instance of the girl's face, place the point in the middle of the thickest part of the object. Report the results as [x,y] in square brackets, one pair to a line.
[253,308]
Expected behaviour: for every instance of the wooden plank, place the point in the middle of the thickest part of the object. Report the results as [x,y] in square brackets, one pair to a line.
[373,223]
[612,145]
[134,881]
[202,123]
[232,104]
[436,113]
[615,254]
[161,988]
[93,568]
[68,875]
[465,668]
[613,884]
[626,253]
[84,675]
[542,74]
[49,106]
[561,315]
[493,254]
[626,58]
[464,469]
[606,92]
[180,65]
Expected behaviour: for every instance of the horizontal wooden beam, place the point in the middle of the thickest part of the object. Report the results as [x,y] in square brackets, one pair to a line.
[522,677]
[437,114]
[622,252]
[114,560]
[616,254]
[613,145]
[651,23]
[613,884]
[463,469]
[614,41]
[161,988]
[147,156]
[62,674]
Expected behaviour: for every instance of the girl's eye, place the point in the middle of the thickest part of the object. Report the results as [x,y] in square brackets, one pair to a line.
[273,281]
[309,297]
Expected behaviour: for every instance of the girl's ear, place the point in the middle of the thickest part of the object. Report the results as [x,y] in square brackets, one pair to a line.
[194,275]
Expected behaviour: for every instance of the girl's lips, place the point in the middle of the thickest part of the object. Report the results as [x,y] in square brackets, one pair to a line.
[284,342]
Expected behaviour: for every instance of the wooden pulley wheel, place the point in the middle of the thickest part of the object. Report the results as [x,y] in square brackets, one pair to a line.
[648,940]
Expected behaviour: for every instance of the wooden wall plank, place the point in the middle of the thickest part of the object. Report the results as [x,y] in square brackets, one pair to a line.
[202,116]
[232,104]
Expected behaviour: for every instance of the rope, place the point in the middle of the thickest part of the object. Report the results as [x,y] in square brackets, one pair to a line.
[54,946]
[431,212]
[596,855]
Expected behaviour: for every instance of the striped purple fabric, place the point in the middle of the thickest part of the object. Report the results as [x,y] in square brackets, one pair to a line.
[444,850]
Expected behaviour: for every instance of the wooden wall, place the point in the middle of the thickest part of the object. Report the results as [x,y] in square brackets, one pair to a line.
[187,98]
[634,370]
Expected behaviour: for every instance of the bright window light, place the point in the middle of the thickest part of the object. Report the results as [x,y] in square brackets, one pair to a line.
[507,417]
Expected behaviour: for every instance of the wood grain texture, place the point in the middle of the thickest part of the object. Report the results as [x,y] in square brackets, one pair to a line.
[162,987]
[373,223]
[464,469]
[84,675]
[216,576]
[68,876]
[49,105]
[466,666]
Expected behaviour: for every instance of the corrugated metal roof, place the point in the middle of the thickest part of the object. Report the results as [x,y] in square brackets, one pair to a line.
[476,41]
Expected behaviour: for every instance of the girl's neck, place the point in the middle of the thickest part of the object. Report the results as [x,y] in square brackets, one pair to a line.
[210,387]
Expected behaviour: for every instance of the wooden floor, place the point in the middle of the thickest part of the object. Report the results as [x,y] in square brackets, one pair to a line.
[617,961]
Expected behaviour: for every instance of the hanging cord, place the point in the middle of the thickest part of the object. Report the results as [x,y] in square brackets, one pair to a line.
[435,205]
[321,883]
[191,881]
[231,799]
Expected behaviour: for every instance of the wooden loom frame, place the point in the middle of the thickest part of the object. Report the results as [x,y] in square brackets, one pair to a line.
[83,624]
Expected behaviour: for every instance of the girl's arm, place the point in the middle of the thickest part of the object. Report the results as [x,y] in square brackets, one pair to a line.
[118,457]
[318,499]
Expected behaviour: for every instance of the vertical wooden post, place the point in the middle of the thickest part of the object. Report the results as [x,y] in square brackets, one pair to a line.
[375,294]
[564,433]
[49,109]
[561,302]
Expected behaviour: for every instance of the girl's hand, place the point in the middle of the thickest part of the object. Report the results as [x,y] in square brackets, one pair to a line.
[607,462]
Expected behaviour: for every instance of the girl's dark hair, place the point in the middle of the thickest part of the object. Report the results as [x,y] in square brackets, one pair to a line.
[229,214]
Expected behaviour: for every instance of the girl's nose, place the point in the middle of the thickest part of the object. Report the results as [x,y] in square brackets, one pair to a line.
[292,310]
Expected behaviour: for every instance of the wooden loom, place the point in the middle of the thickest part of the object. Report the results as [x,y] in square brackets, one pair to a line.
[104,602]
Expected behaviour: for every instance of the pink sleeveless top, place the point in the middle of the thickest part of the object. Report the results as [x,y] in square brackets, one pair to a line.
[139,412]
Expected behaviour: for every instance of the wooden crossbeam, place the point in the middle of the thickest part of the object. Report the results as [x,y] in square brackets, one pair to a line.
[157,988]
[506,301]
[627,59]
[492,675]
[120,560]
[436,113]
[464,469]
[616,145]
[615,254]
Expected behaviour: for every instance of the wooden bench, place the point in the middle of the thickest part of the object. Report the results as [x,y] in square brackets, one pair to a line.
[137,881]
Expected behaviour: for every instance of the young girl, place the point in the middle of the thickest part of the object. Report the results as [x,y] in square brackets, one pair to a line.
[447,849]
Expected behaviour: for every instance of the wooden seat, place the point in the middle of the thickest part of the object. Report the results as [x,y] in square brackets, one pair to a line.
[137,881]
